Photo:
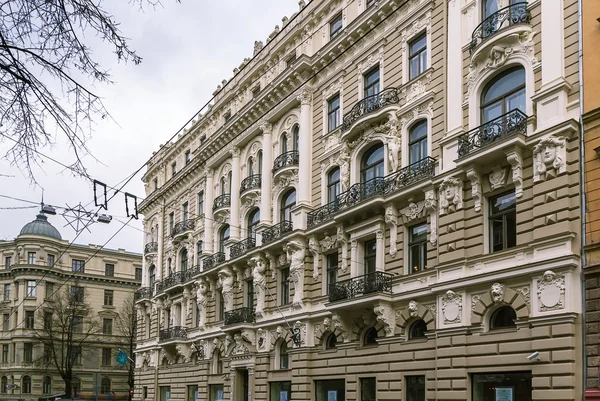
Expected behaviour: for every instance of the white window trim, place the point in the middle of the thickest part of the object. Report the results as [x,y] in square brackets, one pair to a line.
[369,62]
[406,127]
[336,87]
[414,29]
[338,13]
[370,230]
[406,243]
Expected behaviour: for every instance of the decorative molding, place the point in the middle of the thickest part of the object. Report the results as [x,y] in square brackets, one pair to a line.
[549,155]
[413,308]
[452,307]
[475,178]
[451,195]
[296,252]
[551,291]
[497,292]
[430,204]
[515,159]
[497,177]
[315,249]
[342,239]
[372,59]
[391,219]
[386,316]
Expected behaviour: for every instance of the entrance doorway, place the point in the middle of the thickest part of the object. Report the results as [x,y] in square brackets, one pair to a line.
[241,385]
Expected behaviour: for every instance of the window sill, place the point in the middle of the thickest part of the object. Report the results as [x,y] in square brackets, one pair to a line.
[500,331]
[108,307]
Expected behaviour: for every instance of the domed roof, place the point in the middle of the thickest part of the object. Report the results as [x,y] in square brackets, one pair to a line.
[40,226]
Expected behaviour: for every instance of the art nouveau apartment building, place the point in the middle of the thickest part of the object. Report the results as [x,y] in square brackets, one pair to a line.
[36,268]
[382,203]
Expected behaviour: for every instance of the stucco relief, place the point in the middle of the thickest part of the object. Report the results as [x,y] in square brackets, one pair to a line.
[497,292]
[391,139]
[259,269]
[515,159]
[415,27]
[338,325]
[315,250]
[475,178]
[413,308]
[412,211]
[452,307]
[549,155]
[344,163]
[451,195]
[391,219]
[201,301]
[226,282]
[372,60]
[296,252]
[497,177]
[342,240]
[551,291]
[261,339]
[386,315]
[431,206]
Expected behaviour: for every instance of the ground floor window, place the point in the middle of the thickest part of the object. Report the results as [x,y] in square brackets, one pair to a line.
[415,388]
[330,390]
[192,393]
[216,392]
[368,389]
[501,386]
[165,393]
[280,391]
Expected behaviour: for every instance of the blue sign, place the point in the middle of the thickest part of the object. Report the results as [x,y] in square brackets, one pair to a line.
[122,358]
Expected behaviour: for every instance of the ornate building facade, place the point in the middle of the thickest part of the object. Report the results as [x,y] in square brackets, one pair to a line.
[38,267]
[382,203]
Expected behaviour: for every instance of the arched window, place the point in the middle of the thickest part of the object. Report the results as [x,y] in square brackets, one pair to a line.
[417,142]
[184,260]
[372,163]
[370,336]
[284,143]
[250,167]
[223,237]
[253,221]
[504,93]
[105,386]
[489,7]
[26,385]
[417,330]
[259,162]
[295,136]
[75,386]
[287,203]
[331,341]
[284,357]
[333,184]
[3,383]
[223,185]
[503,317]
[46,385]
[152,275]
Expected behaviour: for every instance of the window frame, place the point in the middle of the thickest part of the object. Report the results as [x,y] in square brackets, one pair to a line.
[224,236]
[284,286]
[284,356]
[422,142]
[7,262]
[107,326]
[26,384]
[332,270]
[366,167]
[505,95]
[420,390]
[187,157]
[109,270]
[418,54]
[369,257]
[413,334]
[493,326]
[78,266]
[420,245]
[7,291]
[77,294]
[50,260]
[103,384]
[503,214]
[334,113]
[109,296]
[30,289]
[375,85]
[336,25]
[368,340]
[253,222]
[372,383]
[106,356]
[30,319]
[27,352]
[31,258]
[286,207]
[334,185]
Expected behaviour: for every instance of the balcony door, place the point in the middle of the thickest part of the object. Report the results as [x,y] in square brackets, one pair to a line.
[506,92]
[372,163]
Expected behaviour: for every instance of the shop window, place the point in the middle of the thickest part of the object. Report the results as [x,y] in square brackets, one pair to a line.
[368,389]
[501,386]
[215,392]
[415,388]
[280,391]
[330,390]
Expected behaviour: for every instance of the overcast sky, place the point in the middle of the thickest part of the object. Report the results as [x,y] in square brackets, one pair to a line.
[187,50]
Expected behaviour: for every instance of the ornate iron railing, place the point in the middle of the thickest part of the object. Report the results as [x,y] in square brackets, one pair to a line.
[190,273]
[252,182]
[151,247]
[240,248]
[512,123]
[241,315]
[286,159]
[182,226]
[276,231]
[377,282]
[172,333]
[143,293]
[213,260]
[173,279]
[512,15]
[159,287]
[369,105]
[424,168]
[222,201]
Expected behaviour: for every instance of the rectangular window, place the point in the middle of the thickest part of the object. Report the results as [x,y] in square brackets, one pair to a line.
[255,92]
[250,294]
[188,157]
[370,3]
[280,391]
[371,83]
[108,297]
[107,325]
[500,386]
[7,262]
[200,203]
[291,60]
[77,294]
[28,352]
[173,169]
[192,393]
[48,320]
[155,184]
[77,324]
[415,388]
[333,112]
[29,319]
[370,262]
[171,222]
[285,286]
[50,261]
[30,289]
[368,389]
[329,390]
[221,307]
[216,392]
[49,290]
[76,355]
[165,393]
[335,26]
[417,248]
[47,354]
[185,212]
[332,270]
[138,273]
[227,116]
[7,292]
[31,258]
[145,392]
[106,357]
[5,322]
[503,222]
[417,56]
[5,353]
[78,265]
[109,270]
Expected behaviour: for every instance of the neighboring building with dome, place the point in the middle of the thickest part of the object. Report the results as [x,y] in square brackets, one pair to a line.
[38,263]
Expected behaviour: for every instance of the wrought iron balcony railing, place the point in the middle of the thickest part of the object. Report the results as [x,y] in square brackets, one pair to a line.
[173,333]
[190,273]
[143,293]
[182,226]
[276,231]
[252,182]
[512,123]
[213,260]
[379,186]
[151,247]
[512,15]
[377,282]
[240,248]
[241,315]
[369,105]
[222,201]
[286,159]
[173,279]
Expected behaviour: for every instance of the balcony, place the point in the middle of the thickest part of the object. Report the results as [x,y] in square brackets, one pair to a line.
[213,260]
[151,247]
[172,280]
[276,231]
[191,273]
[515,14]
[143,293]
[222,201]
[369,105]
[380,186]
[240,248]
[512,123]
[182,227]
[173,333]
[241,315]
[287,159]
[372,283]
[250,183]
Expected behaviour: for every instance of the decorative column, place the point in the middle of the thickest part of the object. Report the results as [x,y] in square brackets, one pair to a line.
[234,222]
[380,252]
[353,258]
[266,175]
[305,148]
[161,247]
[209,197]
[251,382]
[454,68]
